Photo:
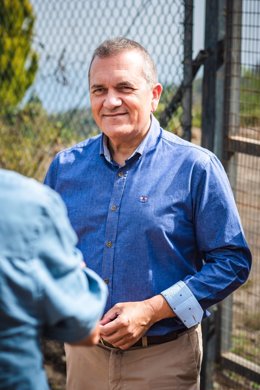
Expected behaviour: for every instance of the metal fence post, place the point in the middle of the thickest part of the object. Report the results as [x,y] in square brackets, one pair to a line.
[212,136]
[231,124]
[213,80]
[187,71]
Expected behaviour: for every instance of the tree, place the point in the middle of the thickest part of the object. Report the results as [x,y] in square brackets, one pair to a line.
[18,61]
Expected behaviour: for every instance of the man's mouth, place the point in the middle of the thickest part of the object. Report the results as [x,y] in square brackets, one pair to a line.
[114,114]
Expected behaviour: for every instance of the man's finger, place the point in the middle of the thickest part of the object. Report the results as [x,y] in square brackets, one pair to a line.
[108,317]
[110,328]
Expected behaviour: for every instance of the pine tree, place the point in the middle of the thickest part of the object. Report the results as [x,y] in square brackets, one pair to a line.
[18,61]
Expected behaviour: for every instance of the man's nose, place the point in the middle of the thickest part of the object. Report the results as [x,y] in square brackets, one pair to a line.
[112,100]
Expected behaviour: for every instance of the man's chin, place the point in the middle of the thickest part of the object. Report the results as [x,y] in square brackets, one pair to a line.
[116,130]
[115,124]
[117,120]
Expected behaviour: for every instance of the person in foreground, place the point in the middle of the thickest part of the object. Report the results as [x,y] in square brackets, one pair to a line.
[156,219]
[43,289]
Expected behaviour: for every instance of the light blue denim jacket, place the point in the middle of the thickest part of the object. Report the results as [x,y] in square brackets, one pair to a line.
[43,291]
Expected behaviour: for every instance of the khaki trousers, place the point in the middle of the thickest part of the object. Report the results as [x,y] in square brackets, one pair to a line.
[174,365]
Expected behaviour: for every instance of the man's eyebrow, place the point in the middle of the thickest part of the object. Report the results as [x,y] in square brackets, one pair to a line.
[94,86]
[125,84]
[118,85]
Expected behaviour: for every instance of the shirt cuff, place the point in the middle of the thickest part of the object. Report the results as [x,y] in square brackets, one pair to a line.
[184,304]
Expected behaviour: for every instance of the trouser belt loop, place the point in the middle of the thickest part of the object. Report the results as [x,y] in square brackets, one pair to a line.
[144,342]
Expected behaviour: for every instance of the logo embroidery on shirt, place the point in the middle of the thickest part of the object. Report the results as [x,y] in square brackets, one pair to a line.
[143,198]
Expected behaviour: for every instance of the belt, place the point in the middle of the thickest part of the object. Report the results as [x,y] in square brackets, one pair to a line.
[145,341]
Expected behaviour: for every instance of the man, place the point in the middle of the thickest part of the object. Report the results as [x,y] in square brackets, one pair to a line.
[156,219]
[43,289]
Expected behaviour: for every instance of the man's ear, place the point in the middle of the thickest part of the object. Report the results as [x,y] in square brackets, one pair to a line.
[156,91]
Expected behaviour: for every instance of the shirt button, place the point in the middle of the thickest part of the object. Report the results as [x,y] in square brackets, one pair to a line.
[121,174]
[109,244]
[106,281]
[113,207]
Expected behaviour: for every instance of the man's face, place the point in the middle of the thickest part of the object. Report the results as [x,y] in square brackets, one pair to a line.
[121,98]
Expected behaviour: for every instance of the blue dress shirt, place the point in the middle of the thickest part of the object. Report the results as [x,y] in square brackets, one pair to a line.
[43,291]
[164,223]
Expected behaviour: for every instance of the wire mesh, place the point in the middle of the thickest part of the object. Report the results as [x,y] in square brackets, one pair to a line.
[243,122]
[55,109]
[64,36]
[67,33]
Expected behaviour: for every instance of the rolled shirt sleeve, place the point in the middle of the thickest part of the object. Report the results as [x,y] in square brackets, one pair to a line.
[184,304]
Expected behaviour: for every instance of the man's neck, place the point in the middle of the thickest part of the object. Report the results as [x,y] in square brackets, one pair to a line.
[121,152]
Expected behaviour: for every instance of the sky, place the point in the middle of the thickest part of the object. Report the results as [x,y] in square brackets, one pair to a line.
[67,31]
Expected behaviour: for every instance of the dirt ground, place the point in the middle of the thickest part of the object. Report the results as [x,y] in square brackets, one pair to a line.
[54,363]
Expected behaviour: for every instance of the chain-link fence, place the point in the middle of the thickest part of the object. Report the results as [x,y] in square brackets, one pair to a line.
[67,32]
[63,37]
[45,49]
[240,332]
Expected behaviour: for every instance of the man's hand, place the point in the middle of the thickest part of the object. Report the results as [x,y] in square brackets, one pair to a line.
[90,340]
[127,322]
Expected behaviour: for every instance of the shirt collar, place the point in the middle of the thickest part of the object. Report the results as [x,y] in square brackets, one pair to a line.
[147,143]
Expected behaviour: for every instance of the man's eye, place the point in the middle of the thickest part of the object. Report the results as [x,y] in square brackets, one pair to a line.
[98,91]
[126,89]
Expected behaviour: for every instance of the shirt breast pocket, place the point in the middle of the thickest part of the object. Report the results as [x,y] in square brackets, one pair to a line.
[162,214]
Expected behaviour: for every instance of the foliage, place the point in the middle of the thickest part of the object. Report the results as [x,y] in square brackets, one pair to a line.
[230,380]
[249,98]
[196,103]
[196,116]
[245,346]
[174,125]
[78,122]
[18,62]
[29,138]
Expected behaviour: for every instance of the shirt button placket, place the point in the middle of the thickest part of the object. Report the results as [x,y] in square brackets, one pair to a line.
[112,230]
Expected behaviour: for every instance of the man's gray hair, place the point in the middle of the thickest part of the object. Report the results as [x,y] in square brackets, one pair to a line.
[112,47]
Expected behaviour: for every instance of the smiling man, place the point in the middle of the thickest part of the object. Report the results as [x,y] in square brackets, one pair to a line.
[156,219]
[123,99]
